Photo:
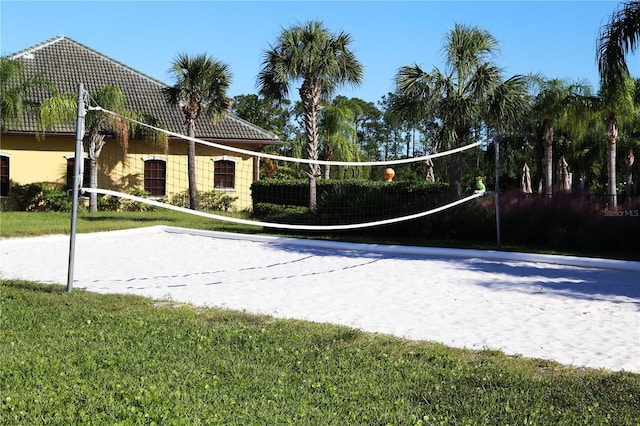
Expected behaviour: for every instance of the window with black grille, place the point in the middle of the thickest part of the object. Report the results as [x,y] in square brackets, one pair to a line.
[155,177]
[224,172]
[4,176]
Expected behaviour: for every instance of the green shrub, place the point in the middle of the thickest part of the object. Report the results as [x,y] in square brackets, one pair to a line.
[344,201]
[564,223]
[39,196]
[291,192]
[355,201]
[119,204]
[568,222]
[281,213]
[208,200]
[109,203]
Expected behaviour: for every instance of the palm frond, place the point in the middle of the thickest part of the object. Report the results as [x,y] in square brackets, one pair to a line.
[467,48]
[56,110]
[16,90]
[618,37]
[309,52]
[485,80]
[508,103]
[201,83]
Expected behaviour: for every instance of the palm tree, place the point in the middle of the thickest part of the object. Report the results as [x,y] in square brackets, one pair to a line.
[337,126]
[555,105]
[618,37]
[322,61]
[15,90]
[201,85]
[63,109]
[469,92]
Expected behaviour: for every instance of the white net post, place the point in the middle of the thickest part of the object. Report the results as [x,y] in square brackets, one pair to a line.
[77,182]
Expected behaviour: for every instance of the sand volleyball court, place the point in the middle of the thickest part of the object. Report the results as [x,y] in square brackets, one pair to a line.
[582,312]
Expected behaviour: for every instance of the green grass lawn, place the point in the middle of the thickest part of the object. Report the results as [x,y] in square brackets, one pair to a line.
[86,358]
[27,224]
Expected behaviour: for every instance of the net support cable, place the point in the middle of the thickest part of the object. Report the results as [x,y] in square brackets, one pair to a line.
[286,225]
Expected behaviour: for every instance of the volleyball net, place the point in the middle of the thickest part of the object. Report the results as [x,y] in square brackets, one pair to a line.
[236,183]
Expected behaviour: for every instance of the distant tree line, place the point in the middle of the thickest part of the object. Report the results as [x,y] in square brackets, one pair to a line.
[534,119]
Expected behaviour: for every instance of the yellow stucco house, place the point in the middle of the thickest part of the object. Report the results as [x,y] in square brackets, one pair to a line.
[24,158]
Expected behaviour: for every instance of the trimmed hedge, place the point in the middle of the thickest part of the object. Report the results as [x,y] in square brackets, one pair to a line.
[569,222]
[565,222]
[348,201]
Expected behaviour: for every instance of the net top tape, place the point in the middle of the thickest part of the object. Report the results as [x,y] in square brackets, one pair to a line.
[299,160]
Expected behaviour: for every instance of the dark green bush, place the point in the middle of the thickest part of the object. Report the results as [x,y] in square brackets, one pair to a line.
[281,213]
[565,222]
[358,201]
[280,191]
[39,196]
[109,203]
[568,221]
[208,200]
[118,204]
[348,201]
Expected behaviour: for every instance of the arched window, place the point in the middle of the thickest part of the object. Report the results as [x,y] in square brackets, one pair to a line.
[224,174]
[155,177]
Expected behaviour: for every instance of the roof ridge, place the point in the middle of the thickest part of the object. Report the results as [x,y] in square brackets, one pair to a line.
[24,52]
[57,39]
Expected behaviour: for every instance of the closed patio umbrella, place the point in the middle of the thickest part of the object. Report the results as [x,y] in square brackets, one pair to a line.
[525,181]
[563,182]
[628,162]
[430,176]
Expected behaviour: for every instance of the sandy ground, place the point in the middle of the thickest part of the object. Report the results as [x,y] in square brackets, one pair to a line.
[582,312]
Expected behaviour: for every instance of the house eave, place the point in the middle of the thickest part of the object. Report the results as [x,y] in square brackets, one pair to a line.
[214,140]
[34,134]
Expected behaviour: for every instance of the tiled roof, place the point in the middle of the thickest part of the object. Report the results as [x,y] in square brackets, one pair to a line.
[67,63]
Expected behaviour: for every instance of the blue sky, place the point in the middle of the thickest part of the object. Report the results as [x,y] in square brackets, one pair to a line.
[554,38]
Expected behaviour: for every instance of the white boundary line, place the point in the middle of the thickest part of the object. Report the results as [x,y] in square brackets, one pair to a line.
[583,262]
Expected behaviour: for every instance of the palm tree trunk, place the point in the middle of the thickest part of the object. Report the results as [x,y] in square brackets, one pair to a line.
[613,197]
[96,143]
[612,137]
[93,183]
[191,167]
[548,153]
[539,155]
[328,153]
[455,168]
[455,174]
[310,96]
[548,179]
